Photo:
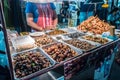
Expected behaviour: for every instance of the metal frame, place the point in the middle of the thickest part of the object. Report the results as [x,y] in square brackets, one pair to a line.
[6,40]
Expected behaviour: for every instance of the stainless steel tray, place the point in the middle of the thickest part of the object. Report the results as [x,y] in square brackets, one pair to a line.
[69,30]
[72,47]
[52,62]
[74,35]
[60,37]
[109,40]
[90,42]
[56,34]
[77,51]
[35,34]
[53,39]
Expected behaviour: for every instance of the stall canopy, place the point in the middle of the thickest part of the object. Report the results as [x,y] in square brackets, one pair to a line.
[40,1]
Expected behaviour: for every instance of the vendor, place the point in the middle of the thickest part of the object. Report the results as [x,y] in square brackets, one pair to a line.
[41,16]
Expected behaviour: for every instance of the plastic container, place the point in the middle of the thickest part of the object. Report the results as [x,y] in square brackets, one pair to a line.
[23,43]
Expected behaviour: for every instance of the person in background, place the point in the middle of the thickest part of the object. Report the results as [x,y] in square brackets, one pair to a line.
[73,10]
[114,17]
[41,16]
[86,10]
[64,12]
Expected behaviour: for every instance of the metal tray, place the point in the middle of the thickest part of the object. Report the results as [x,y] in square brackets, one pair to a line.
[60,37]
[90,42]
[69,30]
[35,34]
[76,50]
[42,53]
[54,40]
[56,34]
[109,40]
[74,35]
[72,47]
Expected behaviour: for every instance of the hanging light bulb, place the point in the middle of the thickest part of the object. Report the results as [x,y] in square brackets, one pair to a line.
[105,5]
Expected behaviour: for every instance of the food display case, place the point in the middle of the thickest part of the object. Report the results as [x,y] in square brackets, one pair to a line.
[74,49]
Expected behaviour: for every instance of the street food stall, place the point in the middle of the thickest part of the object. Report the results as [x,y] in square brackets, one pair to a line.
[72,50]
